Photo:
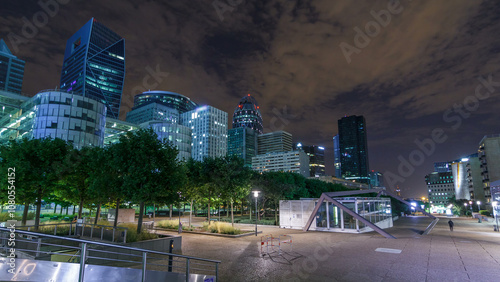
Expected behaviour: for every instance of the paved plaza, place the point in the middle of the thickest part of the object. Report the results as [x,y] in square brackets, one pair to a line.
[470,253]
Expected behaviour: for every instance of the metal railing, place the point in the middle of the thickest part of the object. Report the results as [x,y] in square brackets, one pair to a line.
[79,229]
[86,252]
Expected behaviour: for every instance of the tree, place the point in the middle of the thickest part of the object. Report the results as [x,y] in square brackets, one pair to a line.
[150,171]
[233,178]
[75,172]
[37,162]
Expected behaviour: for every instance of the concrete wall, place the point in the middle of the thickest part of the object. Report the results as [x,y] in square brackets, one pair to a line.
[124,215]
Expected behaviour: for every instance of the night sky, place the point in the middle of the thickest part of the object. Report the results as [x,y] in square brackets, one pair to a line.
[411,75]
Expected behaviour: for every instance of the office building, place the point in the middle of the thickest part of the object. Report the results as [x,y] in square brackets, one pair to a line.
[489,157]
[58,114]
[94,65]
[247,114]
[353,148]
[277,141]
[376,179]
[153,112]
[336,157]
[475,178]
[115,128]
[441,188]
[316,158]
[242,142]
[169,99]
[442,167]
[461,186]
[178,135]
[291,161]
[11,70]
[209,132]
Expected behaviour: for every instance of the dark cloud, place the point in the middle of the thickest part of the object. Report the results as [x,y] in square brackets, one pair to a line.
[287,54]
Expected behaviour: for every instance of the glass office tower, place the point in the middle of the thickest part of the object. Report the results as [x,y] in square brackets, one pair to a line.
[11,70]
[242,142]
[169,99]
[209,132]
[316,156]
[353,149]
[94,65]
[247,114]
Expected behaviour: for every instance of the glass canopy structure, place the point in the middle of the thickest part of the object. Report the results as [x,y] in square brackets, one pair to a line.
[341,212]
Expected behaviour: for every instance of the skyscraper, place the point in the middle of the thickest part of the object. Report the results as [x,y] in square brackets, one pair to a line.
[336,157]
[316,156]
[94,65]
[353,148]
[277,141]
[169,99]
[242,142]
[11,70]
[209,132]
[247,114]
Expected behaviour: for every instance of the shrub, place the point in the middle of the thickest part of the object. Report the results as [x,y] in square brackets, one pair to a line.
[260,222]
[221,228]
[132,235]
[169,224]
[484,212]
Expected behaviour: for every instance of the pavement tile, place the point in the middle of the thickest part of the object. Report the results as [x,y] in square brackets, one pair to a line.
[446,275]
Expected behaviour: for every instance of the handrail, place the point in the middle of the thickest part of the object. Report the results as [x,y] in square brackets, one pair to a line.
[107,245]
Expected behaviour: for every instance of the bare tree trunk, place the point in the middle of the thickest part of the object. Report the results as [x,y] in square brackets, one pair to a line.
[25,213]
[232,216]
[116,212]
[55,208]
[60,212]
[67,208]
[141,215]
[170,208]
[190,213]
[276,214]
[38,208]
[209,210]
[74,208]
[80,209]
[98,213]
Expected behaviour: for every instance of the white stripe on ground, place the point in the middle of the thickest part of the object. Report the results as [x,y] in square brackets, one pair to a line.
[386,250]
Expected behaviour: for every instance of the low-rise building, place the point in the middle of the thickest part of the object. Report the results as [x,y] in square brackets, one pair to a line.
[292,161]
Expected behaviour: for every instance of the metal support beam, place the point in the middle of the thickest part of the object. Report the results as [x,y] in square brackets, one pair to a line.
[324,197]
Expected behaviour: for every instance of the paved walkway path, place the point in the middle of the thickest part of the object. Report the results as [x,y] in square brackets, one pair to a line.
[470,253]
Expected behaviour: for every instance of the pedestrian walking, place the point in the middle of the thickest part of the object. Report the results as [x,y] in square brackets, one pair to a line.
[450,223]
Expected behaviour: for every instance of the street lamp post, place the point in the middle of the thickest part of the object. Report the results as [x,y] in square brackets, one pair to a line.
[478,206]
[256,195]
[465,205]
[495,213]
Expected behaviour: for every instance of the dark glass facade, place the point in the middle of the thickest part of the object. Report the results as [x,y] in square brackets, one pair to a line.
[316,158]
[336,157]
[172,100]
[11,70]
[242,142]
[94,65]
[353,148]
[247,114]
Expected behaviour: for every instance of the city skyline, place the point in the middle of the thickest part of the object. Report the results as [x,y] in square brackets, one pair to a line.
[409,80]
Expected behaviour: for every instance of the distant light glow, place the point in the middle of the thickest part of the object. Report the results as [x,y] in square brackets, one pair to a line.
[465,159]
[321,148]
[299,145]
